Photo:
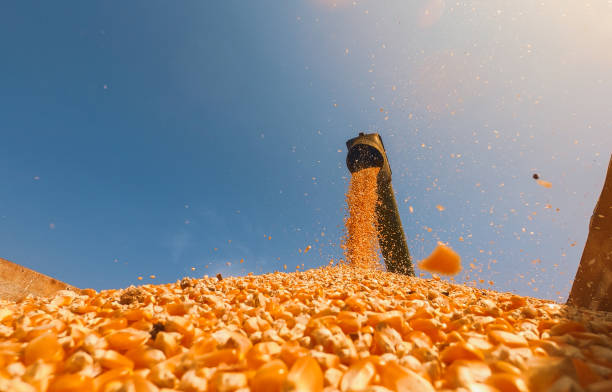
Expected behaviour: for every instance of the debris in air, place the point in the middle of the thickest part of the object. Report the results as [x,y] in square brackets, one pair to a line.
[442,260]
[540,182]
[545,184]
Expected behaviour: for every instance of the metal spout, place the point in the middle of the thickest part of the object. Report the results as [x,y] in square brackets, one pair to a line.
[365,151]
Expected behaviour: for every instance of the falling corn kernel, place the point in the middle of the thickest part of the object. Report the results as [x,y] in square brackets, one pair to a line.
[442,260]
[545,184]
[140,278]
[361,242]
[152,276]
[307,249]
[440,208]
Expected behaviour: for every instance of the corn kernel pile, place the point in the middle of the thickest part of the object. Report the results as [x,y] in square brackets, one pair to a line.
[335,328]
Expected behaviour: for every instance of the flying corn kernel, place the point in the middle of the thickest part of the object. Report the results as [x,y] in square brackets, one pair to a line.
[442,260]
[545,184]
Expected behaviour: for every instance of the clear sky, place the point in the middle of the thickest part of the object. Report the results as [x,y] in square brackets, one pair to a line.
[153,137]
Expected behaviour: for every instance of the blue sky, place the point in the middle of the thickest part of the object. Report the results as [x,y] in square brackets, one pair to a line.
[154,137]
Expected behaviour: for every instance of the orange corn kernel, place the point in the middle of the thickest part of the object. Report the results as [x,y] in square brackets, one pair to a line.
[426,325]
[480,344]
[442,260]
[419,338]
[177,308]
[183,326]
[455,337]
[262,353]
[71,383]
[145,357]
[112,359]
[113,324]
[356,303]
[505,367]
[399,378]
[507,382]
[367,329]
[349,322]
[463,373]
[270,377]
[358,376]
[507,338]
[460,351]
[326,360]
[115,374]
[203,345]
[126,339]
[137,315]
[45,347]
[215,358]
[394,318]
[305,375]
[228,381]
[291,352]
[163,375]
[168,342]
[141,384]
[142,325]
[238,341]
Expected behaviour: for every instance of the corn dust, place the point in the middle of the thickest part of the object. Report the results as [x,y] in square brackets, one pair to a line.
[361,236]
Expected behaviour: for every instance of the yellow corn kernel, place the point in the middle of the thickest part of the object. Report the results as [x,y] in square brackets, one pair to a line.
[115,374]
[112,360]
[358,376]
[168,342]
[462,373]
[507,338]
[45,347]
[126,339]
[305,375]
[270,377]
[215,358]
[460,351]
[399,378]
[71,383]
[228,381]
[507,382]
[262,353]
[291,352]
[505,367]
[145,357]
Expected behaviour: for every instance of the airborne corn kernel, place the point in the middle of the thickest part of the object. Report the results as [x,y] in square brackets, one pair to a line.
[442,260]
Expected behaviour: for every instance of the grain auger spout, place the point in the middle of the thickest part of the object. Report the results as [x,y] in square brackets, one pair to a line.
[365,151]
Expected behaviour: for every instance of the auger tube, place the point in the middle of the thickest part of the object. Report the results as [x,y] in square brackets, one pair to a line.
[368,150]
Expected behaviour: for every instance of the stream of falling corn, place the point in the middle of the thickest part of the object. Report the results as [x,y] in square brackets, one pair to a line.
[361,237]
[343,328]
